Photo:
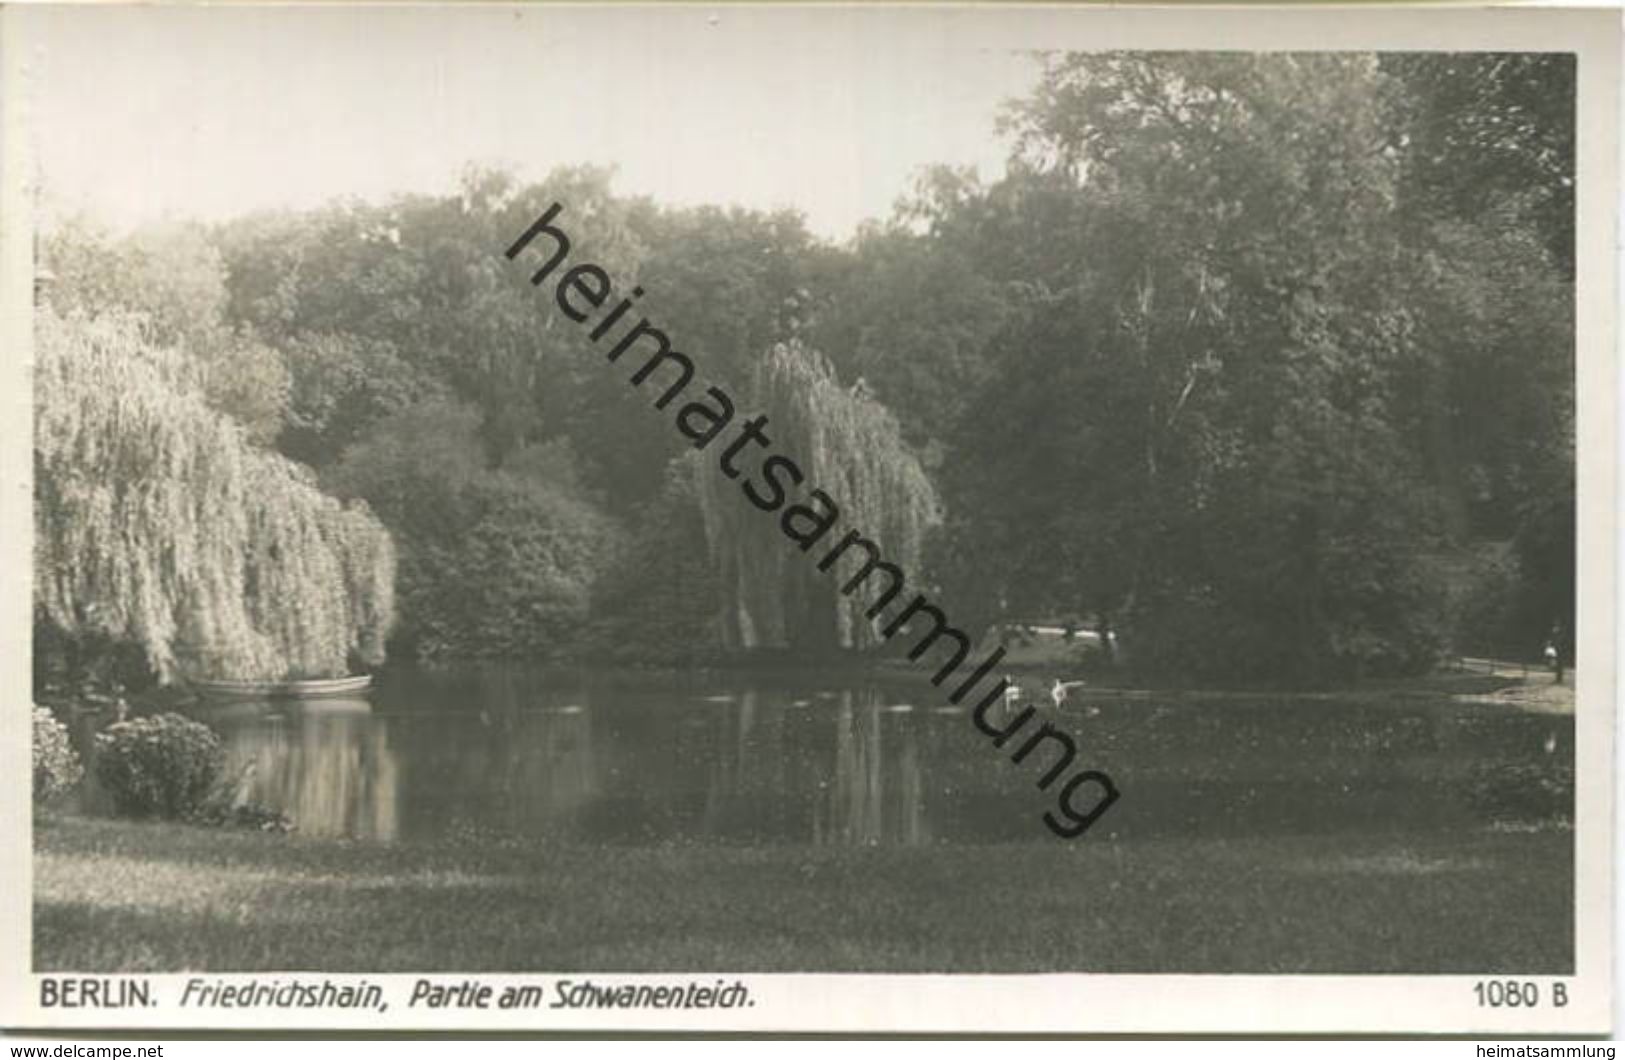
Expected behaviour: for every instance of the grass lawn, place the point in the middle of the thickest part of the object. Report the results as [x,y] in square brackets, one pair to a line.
[119,896]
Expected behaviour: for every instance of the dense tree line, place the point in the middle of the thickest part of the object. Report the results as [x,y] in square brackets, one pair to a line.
[1264,363]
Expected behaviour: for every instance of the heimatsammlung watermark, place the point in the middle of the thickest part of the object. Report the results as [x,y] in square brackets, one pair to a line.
[582,290]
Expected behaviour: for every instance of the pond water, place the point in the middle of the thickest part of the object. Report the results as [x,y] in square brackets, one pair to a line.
[492,752]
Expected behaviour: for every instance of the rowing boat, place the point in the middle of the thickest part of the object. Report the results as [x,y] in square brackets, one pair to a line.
[313,689]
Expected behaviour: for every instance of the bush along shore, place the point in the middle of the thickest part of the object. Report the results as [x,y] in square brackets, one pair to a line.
[158,767]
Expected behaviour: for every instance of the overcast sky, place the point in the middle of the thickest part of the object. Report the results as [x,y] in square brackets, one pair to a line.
[146,114]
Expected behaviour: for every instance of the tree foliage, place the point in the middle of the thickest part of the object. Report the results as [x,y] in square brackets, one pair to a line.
[158,524]
[1484,130]
[1264,361]
[848,445]
[658,602]
[172,280]
[1247,379]
[494,562]
[911,317]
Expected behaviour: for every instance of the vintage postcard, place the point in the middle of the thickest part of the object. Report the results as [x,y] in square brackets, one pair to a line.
[808,518]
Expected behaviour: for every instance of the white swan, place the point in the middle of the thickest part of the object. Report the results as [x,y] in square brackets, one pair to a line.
[1058,691]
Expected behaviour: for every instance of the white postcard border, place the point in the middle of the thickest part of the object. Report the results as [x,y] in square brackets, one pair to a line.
[968,1002]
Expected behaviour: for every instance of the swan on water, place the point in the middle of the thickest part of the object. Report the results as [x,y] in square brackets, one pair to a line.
[1059,690]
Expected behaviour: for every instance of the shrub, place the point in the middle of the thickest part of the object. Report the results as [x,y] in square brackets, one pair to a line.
[56,763]
[164,766]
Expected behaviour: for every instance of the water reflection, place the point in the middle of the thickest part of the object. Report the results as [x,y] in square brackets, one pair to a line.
[875,791]
[498,753]
[327,764]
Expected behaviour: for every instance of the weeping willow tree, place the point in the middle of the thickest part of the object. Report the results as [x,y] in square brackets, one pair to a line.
[849,446]
[157,524]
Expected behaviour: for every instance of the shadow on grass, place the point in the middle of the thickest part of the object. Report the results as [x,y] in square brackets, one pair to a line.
[113,896]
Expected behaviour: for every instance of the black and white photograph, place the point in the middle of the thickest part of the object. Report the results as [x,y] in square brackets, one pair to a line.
[653,517]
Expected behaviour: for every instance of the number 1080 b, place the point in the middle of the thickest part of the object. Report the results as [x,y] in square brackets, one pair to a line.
[1516,993]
